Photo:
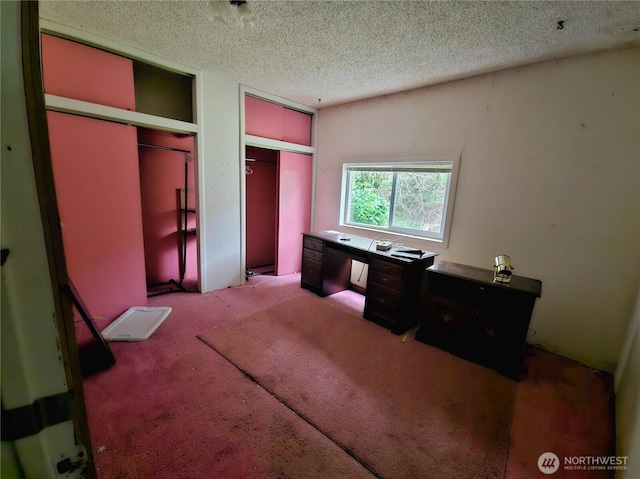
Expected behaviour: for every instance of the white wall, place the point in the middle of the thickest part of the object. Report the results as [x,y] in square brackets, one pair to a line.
[219,182]
[549,175]
[627,386]
[32,366]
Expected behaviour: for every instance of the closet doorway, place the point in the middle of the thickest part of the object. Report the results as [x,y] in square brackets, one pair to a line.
[278,209]
[168,198]
[261,200]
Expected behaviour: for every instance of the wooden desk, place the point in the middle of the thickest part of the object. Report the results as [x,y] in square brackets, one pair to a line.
[395,291]
[472,317]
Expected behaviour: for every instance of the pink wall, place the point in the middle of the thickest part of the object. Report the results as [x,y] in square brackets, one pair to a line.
[161,174]
[261,194]
[294,209]
[84,73]
[97,182]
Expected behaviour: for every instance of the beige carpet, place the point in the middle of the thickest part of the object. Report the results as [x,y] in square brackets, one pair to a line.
[403,410]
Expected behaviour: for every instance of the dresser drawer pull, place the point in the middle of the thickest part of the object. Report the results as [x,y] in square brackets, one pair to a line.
[490,332]
[447,317]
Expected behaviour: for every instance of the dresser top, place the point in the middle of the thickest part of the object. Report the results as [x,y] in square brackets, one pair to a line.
[485,276]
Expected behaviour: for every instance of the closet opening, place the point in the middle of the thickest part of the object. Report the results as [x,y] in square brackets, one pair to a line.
[169,221]
[261,171]
[278,209]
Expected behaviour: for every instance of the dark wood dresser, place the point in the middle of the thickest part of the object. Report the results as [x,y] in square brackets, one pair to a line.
[474,318]
[394,296]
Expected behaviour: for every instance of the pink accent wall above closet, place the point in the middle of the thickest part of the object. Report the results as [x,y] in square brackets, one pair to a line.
[270,120]
[95,165]
[263,118]
[81,72]
[297,127]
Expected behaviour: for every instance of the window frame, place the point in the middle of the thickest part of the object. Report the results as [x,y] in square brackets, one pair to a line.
[448,164]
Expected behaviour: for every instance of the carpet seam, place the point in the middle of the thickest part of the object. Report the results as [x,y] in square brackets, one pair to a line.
[510,442]
[301,416]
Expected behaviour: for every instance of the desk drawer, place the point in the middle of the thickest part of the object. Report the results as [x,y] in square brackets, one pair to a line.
[312,254]
[313,244]
[382,297]
[384,318]
[386,267]
[312,272]
[385,279]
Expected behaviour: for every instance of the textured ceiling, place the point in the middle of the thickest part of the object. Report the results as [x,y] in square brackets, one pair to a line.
[322,53]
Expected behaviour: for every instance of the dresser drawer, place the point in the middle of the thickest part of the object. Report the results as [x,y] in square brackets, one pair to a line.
[493,331]
[386,267]
[312,272]
[313,244]
[457,289]
[385,279]
[312,254]
[451,318]
[472,317]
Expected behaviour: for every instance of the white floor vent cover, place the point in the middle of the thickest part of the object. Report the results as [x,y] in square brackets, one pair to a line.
[136,324]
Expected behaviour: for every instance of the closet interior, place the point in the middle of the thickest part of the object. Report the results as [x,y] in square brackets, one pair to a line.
[167,181]
[125,183]
[167,194]
[261,203]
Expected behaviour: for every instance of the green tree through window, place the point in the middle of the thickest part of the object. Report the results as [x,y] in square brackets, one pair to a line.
[407,198]
[419,200]
[370,198]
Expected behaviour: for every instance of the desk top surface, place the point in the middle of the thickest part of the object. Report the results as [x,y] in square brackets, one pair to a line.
[368,245]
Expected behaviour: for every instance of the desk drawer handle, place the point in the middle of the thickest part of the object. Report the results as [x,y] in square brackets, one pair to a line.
[490,332]
[447,317]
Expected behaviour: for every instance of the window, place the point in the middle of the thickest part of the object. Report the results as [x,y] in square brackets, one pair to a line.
[413,199]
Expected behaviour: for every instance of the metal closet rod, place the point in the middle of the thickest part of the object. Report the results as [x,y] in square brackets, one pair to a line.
[164,148]
[253,160]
